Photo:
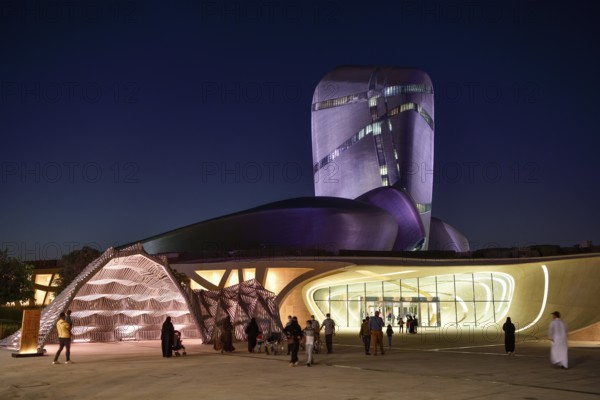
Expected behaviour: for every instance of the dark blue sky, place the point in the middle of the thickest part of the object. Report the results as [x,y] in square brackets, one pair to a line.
[121,120]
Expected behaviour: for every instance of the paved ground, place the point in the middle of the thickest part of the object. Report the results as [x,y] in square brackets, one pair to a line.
[422,366]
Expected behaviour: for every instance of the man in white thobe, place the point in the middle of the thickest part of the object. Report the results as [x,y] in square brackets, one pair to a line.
[557,333]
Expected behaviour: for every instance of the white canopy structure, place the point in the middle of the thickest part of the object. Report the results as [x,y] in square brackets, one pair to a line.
[122,295]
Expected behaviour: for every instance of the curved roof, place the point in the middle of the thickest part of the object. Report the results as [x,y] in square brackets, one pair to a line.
[121,295]
[325,223]
[411,233]
[443,236]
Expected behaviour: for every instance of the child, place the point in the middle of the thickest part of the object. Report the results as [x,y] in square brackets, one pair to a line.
[259,341]
[389,332]
[309,341]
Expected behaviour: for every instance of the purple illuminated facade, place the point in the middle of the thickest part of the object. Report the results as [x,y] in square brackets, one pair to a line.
[305,223]
[373,127]
[372,138]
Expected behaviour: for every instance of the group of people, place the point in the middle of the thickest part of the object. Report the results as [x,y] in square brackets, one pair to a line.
[171,339]
[412,322]
[371,333]
[310,335]
[557,334]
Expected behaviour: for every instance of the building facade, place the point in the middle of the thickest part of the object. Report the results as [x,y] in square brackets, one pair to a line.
[345,251]
[373,127]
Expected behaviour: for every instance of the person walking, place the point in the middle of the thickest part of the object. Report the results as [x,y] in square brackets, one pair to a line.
[64,339]
[557,333]
[389,332]
[376,325]
[509,337]
[401,325]
[309,341]
[167,337]
[365,335]
[252,330]
[294,333]
[329,327]
[227,335]
[289,346]
[317,327]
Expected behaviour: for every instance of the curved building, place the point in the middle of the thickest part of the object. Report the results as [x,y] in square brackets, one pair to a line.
[447,295]
[411,233]
[307,223]
[445,237]
[373,127]
[372,134]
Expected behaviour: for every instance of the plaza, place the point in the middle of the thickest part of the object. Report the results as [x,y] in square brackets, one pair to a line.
[428,365]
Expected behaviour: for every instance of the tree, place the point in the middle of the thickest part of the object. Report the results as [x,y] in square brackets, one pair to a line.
[16,278]
[72,265]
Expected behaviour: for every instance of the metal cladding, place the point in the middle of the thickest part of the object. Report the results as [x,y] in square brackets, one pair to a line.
[444,236]
[373,127]
[324,223]
[239,303]
[122,295]
[411,233]
[126,295]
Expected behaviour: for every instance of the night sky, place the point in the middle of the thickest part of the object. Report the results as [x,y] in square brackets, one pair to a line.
[122,120]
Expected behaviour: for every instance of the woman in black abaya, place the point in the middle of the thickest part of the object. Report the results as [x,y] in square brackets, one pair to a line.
[509,337]
[167,336]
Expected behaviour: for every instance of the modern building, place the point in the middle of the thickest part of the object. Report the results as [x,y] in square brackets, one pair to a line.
[373,127]
[349,251]
[445,293]
[127,294]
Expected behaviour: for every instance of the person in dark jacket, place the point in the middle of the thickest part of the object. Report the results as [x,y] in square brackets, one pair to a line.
[509,337]
[227,335]
[389,332]
[365,335]
[167,337]
[294,334]
[414,324]
[252,331]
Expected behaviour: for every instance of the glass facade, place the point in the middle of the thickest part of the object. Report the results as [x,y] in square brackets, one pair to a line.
[373,128]
[390,91]
[459,299]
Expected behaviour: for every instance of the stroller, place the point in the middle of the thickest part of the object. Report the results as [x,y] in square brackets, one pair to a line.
[178,346]
[275,343]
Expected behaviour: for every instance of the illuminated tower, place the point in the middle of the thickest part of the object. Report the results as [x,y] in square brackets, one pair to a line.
[371,128]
